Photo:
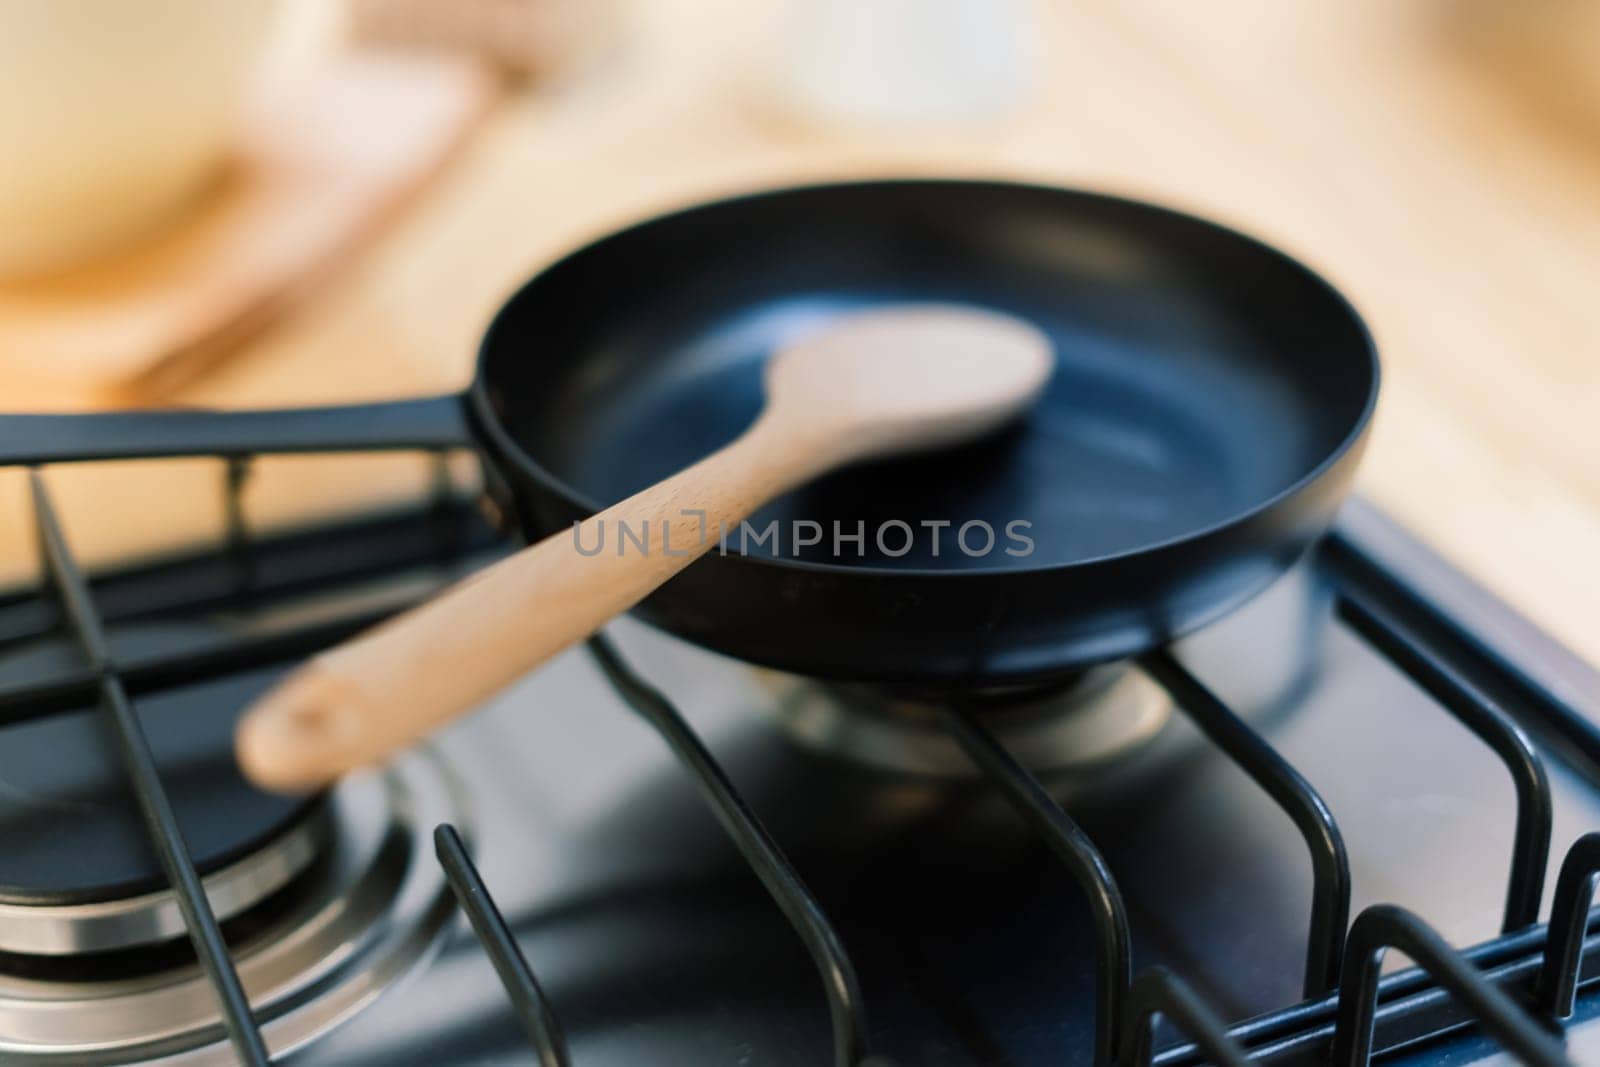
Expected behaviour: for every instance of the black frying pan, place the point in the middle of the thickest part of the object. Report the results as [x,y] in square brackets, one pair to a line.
[1209,407]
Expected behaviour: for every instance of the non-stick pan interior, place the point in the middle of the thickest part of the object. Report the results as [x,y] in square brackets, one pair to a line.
[1199,374]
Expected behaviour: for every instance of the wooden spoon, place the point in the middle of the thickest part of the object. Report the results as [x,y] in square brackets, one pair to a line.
[870,385]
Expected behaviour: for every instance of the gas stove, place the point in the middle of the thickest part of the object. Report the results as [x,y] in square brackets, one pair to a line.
[649,854]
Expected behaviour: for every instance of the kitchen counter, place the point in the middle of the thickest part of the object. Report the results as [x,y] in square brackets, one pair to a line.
[1459,214]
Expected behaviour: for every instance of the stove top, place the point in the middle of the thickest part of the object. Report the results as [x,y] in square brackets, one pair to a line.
[646,853]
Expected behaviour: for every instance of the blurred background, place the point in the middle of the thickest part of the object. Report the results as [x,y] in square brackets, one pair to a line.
[242,203]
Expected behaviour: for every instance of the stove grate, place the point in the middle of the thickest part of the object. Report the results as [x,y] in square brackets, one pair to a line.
[1350,1007]
[1569,922]
[1476,710]
[1330,865]
[1063,836]
[533,1008]
[1158,993]
[757,846]
[68,582]
[1384,926]
[1122,1020]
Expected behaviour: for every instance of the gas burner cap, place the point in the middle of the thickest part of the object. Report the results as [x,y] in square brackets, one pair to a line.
[70,827]
[78,871]
[1097,716]
[375,906]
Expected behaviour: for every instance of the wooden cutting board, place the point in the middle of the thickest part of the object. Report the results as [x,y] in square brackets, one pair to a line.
[321,166]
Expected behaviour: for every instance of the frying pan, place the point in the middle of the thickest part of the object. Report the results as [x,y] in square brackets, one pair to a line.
[1210,403]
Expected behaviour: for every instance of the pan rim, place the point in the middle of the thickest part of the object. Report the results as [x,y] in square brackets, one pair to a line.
[512,450]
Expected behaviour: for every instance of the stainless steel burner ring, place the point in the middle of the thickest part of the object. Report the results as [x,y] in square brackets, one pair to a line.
[1108,711]
[379,910]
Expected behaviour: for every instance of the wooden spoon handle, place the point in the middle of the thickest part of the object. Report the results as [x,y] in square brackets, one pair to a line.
[362,700]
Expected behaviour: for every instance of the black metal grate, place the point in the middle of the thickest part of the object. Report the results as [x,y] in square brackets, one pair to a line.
[1330,866]
[533,1010]
[66,579]
[1114,954]
[1479,713]
[759,850]
[1569,922]
[1384,926]
[1159,992]
[1348,1005]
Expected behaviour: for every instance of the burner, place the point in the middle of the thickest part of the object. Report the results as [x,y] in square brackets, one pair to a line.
[376,907]
[1100,714]
[323,900]
[78,871]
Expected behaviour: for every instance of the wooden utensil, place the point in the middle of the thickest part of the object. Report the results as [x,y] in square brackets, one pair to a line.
[322,165]
[524,38]
[874,384]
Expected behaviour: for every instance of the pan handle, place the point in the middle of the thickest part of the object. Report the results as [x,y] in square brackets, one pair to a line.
[425,423]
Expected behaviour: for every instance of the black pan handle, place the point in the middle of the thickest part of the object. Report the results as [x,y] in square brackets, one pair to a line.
[427,423]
